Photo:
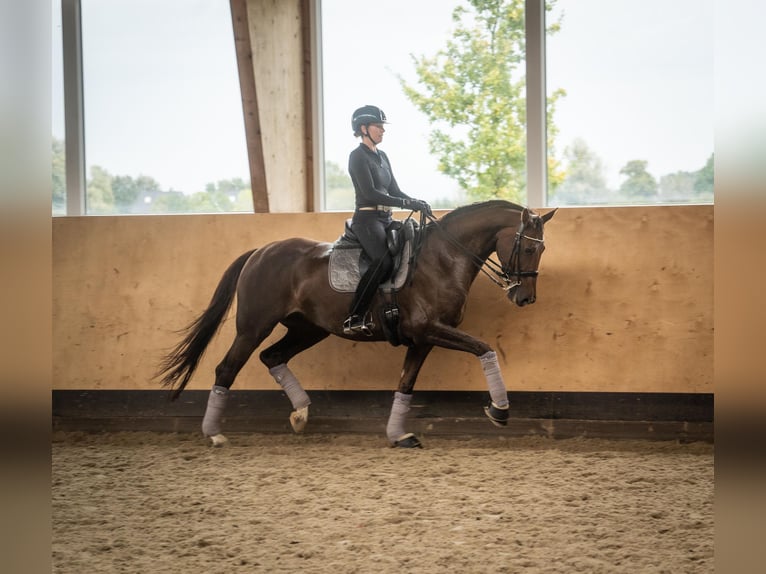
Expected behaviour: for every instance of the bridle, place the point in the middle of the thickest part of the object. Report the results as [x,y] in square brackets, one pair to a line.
[507,276]
[513,269]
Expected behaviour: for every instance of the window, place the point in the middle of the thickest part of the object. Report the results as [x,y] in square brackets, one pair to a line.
[629,86]
[636,123]
[629,104]
[365,46]
[58,167]
[163,125]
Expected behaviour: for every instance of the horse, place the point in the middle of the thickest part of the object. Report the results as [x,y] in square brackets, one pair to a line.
[286,282]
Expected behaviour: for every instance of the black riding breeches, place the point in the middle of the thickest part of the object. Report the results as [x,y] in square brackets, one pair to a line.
[370,229]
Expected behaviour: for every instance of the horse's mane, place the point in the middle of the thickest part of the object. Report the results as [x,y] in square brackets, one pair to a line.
[491,204]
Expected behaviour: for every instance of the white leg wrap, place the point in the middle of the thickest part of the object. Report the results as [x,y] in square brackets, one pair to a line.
[400,408]
[494,379]
[285,378]
[216,404]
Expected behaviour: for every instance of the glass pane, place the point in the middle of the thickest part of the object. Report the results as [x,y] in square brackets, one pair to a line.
[58,167]
[635,125]
[164,131]
[366,46]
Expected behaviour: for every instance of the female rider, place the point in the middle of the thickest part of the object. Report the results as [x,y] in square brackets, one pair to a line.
[376,194]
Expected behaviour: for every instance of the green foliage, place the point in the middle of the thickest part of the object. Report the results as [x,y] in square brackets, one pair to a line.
[225,195]
[678,186]
[703,182]
[472,92]
[688,186]
[127,191]
[99,198]
[640,184]
[339,191]
[123,194]
[584,183]
[170,202]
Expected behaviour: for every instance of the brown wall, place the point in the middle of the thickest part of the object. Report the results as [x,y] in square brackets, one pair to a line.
[625,303]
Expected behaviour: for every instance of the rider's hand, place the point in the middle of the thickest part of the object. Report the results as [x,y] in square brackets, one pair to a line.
[417,205]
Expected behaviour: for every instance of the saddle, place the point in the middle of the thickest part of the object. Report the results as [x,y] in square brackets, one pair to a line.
[348,261]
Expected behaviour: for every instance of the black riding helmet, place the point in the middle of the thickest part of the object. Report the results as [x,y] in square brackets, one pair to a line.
[367,115]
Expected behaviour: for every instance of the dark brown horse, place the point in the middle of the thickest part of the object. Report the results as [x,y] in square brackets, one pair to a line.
[287,282]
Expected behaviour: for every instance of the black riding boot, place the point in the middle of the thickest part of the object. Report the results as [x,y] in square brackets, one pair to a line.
[358,320]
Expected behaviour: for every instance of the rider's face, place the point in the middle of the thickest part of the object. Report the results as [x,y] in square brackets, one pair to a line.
[376,132]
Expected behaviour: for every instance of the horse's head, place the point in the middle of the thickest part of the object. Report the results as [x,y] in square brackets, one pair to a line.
[519,249]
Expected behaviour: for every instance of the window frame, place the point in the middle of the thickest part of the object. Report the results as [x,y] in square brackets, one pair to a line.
[74,115]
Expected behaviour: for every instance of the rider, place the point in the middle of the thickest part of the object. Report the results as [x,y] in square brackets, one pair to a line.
[376,193]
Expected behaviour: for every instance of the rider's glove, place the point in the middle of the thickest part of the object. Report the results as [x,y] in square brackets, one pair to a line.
[416,205]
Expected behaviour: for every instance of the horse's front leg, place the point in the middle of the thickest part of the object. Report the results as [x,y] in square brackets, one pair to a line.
[395,429]
[452,338]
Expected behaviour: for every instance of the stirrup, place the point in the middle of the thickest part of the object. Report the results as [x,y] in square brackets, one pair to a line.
[354,324]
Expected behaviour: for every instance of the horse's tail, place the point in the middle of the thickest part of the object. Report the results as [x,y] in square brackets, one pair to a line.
[179,365]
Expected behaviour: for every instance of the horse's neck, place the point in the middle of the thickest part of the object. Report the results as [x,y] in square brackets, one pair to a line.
[470,240]
[478,233]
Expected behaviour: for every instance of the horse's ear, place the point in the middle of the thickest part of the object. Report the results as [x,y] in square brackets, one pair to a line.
[525,216]
[548,215]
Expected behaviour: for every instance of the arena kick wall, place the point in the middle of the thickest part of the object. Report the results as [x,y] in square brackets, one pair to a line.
[622,328]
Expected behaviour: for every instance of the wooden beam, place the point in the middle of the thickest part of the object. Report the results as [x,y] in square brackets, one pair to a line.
[307,27]
[250,105]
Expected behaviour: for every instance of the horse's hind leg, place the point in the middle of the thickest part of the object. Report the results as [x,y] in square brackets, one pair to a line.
[300,336]
[225,373]
[395,429]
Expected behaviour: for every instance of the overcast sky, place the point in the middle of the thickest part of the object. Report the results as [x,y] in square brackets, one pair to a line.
[638,76]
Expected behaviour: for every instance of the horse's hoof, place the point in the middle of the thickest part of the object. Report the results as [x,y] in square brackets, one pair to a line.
[407,441]
[299,419]
[498,415]
[219,440]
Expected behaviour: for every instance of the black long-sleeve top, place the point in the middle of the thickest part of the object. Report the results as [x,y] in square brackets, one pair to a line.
[374,182]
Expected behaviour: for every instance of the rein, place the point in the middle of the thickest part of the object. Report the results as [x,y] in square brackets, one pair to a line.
[503,276]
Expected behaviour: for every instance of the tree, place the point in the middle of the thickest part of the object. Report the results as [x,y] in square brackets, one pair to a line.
[238,192]
[127,191]
[99,196]
[339,191]
[473,94]
[677,187]
[584,182]
[170,202]
[703,182]
[215,201]
[640,184]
